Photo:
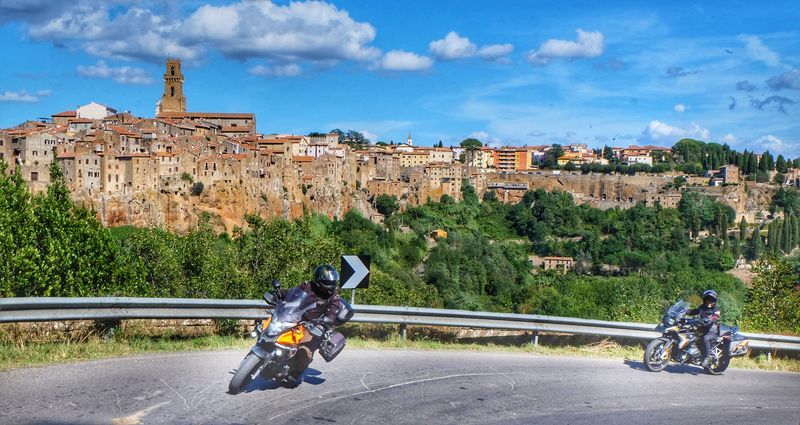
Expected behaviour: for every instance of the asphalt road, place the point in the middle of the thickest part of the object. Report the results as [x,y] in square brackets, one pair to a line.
[388,387]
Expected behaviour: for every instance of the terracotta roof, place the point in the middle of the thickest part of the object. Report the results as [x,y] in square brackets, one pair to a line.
[559,258]
[134,154]
[228,115]
[81,121]
[234,155]
[66,155]
[65,114]
[271,141]
[232,129]
[303,159]
[121,130]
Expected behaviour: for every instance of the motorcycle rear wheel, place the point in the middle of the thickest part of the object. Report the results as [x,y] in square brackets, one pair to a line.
[655,359]
[720,366]
[243,375]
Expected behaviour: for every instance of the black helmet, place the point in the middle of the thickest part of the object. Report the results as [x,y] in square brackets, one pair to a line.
[710,294]
[326,278]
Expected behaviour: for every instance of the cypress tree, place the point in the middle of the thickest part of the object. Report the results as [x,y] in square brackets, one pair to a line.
[755,247]
[786,235]
[771,237]
[742,229]
[781,165]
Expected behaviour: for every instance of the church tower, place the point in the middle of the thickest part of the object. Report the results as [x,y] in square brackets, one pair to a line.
[173,99]
[409,141]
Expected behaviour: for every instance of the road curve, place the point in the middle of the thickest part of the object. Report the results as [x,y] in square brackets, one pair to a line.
[404,387]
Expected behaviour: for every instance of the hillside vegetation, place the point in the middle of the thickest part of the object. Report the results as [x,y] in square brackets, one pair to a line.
[630,264]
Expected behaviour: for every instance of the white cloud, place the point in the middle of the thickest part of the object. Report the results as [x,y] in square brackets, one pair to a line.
[495,52]
[773,144]
[679,108]
[589,44]
[487,139]
[658,132]
[372,137]
[300,30]
[311,31]
[18,96]
[284,70]
[122,74]
[758,51]
[452,46]
[730,139]
[399,60]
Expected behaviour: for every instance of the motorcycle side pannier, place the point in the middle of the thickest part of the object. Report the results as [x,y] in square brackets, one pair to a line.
[739,347]
[331,347]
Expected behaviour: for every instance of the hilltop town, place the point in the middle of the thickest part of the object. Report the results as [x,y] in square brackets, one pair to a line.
[168,169]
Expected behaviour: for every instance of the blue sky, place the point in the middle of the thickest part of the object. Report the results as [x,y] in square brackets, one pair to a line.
[510,73]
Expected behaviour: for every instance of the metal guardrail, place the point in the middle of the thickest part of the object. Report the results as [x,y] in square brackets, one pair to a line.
[54,309]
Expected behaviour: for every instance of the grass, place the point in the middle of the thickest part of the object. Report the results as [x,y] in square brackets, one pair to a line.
[37,354]
[15,356]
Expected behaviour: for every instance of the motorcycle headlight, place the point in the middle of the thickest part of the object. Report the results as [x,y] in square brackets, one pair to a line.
[276,328]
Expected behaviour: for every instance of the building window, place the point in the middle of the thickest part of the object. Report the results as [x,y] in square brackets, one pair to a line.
[172,70]
[34,176]
[172,91]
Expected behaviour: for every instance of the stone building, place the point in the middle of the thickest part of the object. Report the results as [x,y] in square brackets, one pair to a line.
[173,99]
[562,264]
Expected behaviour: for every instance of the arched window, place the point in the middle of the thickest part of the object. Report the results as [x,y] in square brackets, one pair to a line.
[172,91]
[172,70]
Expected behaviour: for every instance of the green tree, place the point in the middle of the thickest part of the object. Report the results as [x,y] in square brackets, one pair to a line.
[781,165]
[19,253]
[772,301]
[551,156]
[387,204]
[284,250]
[471,145]
[197,189]
[687,150]
[77,256]
[742,229]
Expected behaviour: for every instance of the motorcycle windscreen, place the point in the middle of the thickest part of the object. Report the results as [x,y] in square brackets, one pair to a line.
[678,309]
[290,311]
[331,347]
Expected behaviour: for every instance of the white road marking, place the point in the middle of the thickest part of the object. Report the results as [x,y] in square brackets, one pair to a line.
[136,418]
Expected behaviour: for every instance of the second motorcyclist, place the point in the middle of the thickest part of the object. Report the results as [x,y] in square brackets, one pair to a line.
[707,323]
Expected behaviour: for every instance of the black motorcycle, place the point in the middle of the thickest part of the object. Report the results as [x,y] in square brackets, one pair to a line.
[679,343]
[280,335]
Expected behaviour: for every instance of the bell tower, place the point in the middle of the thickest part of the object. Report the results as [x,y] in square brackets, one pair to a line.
[173,99]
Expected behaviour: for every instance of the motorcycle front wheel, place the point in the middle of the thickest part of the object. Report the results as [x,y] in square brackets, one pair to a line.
[243,375]
[656,356]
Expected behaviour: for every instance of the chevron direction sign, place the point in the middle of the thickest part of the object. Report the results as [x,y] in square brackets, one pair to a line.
[355,271]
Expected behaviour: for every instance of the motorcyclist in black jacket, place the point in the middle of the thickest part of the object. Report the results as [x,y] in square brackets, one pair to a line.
[707,323]
[323,289]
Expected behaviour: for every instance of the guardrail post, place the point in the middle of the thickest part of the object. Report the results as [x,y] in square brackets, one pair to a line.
[403,328]
[535,338]
[106,328]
